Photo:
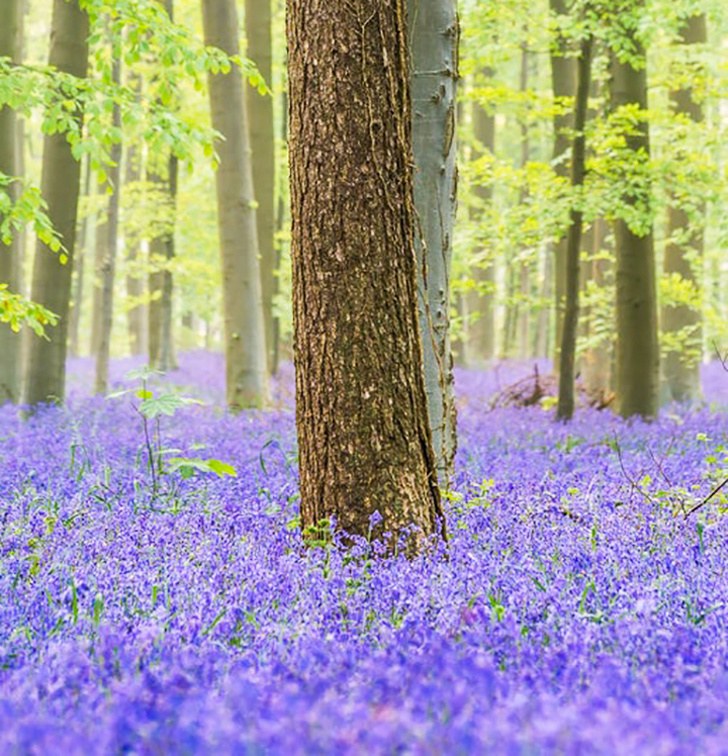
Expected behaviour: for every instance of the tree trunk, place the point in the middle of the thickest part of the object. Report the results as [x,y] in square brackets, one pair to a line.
[433,33]
[262,145]
[481,333]
[523,324]
[60,179]
[365,445]
[108,269]
[136,317]
[79,264]
[596,363]
[167,358]
[567,356]
[636,309]
[683,256]
[563,84]
[10,342]
[245,351]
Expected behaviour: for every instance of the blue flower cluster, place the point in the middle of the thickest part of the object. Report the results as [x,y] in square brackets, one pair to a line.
[576,609]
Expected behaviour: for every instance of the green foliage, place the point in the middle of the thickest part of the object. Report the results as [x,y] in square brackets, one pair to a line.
[18,311]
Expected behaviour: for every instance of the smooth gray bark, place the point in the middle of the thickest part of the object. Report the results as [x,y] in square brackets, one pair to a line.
[108,268]
[684,257]
[10,342]
[60,179]
[262,144]
[637,368]
[245,352]
[433,33]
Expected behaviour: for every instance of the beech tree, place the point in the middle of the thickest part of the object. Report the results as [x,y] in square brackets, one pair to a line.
[262,145]
[60,179]
[10,20]
[245,355]
[365,445]
[433,33]
[684,250]
[636,303]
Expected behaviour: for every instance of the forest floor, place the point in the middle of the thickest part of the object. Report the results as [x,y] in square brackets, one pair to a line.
[580,607]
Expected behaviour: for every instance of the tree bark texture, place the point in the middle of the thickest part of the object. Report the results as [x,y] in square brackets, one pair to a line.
[262,145]
[433,32]
[567,356]
[60,179]
[10,342]
[683,257]
[637,351]
[245,350]
[365,444]
[563,84]
[108,267]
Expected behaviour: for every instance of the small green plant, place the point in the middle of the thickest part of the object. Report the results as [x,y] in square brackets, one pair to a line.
[151,408]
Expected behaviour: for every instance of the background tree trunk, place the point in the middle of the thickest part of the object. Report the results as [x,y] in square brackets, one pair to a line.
[637,350]
[78,278]
[480,342]
[245,352]
[262,144]
[108,269]
[10,342]
[136,317]
[361,411]
[51,287]
[683,257]
[567,356]
[433,33]
[563,84]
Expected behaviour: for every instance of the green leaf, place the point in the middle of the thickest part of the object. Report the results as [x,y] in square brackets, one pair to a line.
[165,404]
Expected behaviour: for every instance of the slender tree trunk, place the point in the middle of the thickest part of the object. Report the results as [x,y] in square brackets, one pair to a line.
[10,342]
[51,287]
[597,361]
[481,333]
[361,408]
[136,316]
[262,144]
[167,358]
[101,252]
[523,325]
[108,270]
[245,352]
[433,33]
[636,309]
[78,275]
[567,356]
[157,262]
[563,83]
[684,257]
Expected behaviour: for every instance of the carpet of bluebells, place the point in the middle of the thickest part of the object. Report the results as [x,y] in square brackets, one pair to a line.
[577,609]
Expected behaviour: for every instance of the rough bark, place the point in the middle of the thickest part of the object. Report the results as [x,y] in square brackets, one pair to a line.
[637,353]
[563,84]
[433,33]
[361,411]
[684,255]
[60,179]
[108,268]
[245,351]
[567,355]
[262,145]
[10,342]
